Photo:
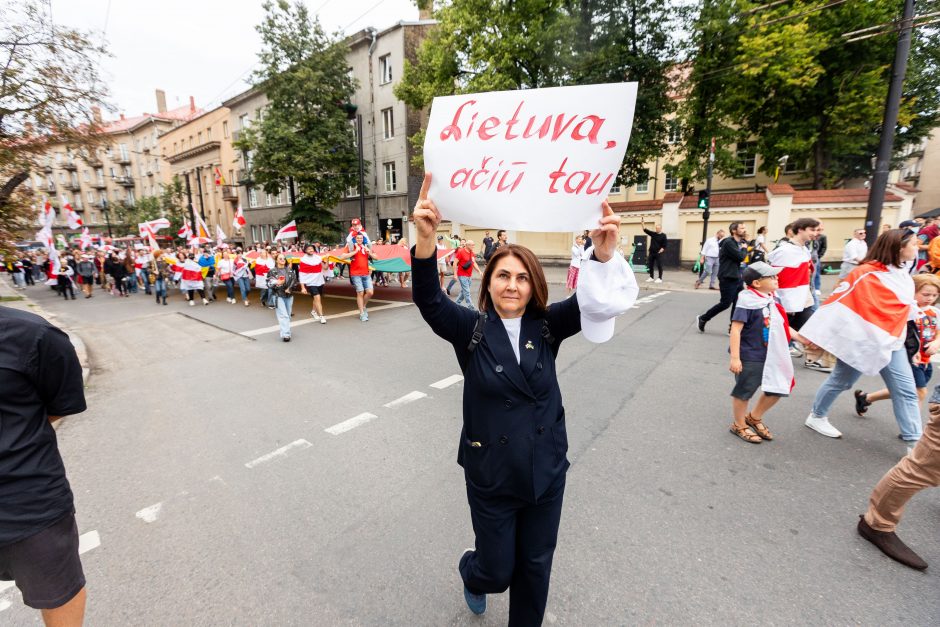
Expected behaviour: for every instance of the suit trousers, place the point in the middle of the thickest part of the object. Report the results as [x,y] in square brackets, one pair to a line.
[919,470]
[729,297]
[515,543]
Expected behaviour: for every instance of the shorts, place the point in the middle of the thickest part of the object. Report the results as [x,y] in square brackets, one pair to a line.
[922,374]
[361,283]
[749,381]
[45,566]
[315,290]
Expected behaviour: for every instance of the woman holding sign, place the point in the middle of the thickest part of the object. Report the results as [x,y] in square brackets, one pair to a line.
[513,443]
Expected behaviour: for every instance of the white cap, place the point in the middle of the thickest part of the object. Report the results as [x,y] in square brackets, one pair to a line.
[605,291]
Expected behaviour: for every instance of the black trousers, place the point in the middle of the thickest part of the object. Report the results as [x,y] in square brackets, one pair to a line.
[798,319]
[729,289]
[655,259]
[515,543]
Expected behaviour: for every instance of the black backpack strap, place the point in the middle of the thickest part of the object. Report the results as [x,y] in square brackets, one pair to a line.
[477,332]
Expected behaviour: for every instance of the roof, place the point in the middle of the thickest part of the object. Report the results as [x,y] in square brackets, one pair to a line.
[637,205]
[825,196]
[907,187]
[182,114]
[720,201]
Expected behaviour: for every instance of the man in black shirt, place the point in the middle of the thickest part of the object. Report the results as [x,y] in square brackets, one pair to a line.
[656,249]
[731,254]
[40,381]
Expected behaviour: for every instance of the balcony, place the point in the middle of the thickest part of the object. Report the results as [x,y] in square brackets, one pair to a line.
[244,177]
[149,172]
[69,164]
[47,168]
[230,192]
[73,186]
[99,184]
[123,159]
[126,181]
[49,187]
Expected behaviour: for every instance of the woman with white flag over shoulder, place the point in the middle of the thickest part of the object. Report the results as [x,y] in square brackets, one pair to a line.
[864,324]
[514,441]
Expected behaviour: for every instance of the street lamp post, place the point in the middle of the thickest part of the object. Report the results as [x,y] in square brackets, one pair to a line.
[104,209]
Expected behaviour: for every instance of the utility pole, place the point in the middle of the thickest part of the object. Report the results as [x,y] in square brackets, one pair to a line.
[879,180]
[189,203]
[291,193]
[104,208]
[202,207]
[704,201]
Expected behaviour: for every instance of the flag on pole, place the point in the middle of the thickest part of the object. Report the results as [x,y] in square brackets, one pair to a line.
[185,231]
[219,235]
[287,231]
[239,220]
[219,179]
[153,226]
[72,218]
[47,215]
[793,280]
[201,233]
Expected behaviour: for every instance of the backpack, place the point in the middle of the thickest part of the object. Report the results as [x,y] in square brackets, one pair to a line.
[481,322]
[933,254]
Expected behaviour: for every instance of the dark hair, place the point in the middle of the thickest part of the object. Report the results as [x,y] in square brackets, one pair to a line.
[538,301]
[887,248]
[804,223]
[733,227]
[787,229]
[762,230]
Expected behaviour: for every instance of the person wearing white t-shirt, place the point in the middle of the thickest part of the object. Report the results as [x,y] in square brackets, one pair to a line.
[854,253]
[574,267]
[708,259]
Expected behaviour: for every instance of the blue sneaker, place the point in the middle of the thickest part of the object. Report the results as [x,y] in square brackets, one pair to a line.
[476,602]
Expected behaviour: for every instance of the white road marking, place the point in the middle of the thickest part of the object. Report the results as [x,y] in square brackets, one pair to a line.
[88,541]
[281,452]
[149,514]
[446,383]
[345,314]
[410,397]
[352,423]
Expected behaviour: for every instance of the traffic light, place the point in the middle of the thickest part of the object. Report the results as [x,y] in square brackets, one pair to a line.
[703,200]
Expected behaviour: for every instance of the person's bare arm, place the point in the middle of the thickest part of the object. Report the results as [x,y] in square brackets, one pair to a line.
[736,366]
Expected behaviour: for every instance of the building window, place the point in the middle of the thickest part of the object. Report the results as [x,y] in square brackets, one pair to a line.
[174,148]
[747,159]
[254,233]
[615,188]
[643,186]
[270,200]
[243,121]
[231,177]
[225,129]
[385,69]
[199,138]
[675,132]
[87,176]
[390,182]
[123,149]
[58,158]
[388,123]
[672,181]
[252,197]
[209,134]
[90,196]
[793,165]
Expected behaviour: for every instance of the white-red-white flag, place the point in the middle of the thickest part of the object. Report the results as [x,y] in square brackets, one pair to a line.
[287,231]
[85,240]
[185,231]
[74,220]
[47,215]
[793,280]
[239,220]
[219,235]
[153,226]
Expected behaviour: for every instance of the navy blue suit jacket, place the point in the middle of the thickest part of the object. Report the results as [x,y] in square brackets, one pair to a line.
[513,440]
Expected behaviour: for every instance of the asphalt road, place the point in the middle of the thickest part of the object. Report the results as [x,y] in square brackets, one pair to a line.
[205,469]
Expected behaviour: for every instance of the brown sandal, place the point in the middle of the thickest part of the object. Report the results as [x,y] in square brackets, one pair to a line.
[745,434]
[759,427]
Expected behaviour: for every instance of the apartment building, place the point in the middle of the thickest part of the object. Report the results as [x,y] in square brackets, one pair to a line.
[194,151]
[264,213]
[127,167]
[921,170]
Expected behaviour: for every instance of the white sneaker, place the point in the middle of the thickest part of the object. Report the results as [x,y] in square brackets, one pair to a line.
[205,302]
[822,426]
[809,364]
[192,303]
[649,280]
[315,315]
[323,320]
[658,281]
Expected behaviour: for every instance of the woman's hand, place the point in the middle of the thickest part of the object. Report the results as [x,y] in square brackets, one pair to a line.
[427,218]
[606,236]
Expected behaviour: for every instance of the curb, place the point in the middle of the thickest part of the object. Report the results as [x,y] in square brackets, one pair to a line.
[77,342]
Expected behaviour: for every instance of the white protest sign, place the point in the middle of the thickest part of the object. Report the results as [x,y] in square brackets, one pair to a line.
[535,160]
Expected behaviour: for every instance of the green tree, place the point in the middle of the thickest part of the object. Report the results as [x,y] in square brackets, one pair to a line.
[49,84]
[791,81]
[304,132]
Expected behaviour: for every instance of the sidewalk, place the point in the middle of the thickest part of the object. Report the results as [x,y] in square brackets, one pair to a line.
[18,299]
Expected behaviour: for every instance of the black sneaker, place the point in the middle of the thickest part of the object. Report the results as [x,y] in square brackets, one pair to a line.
[861,404]
[700,324]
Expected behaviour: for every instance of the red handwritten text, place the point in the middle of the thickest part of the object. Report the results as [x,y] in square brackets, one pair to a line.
[576,182]
[553,126]
[487,176]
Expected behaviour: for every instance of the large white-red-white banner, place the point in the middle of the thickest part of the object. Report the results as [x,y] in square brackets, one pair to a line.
[536,160]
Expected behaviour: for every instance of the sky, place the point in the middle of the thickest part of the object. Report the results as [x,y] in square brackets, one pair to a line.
[201,48]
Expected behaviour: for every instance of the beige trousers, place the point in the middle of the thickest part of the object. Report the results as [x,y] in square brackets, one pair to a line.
[919,470]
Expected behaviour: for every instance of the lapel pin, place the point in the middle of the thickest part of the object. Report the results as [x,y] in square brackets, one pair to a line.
[529,345]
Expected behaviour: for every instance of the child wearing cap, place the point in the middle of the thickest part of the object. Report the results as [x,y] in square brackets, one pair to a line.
[760,355]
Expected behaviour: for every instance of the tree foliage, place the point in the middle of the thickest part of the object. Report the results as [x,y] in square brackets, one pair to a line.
[49,84]
[784,76]
[304,132]
[487,45]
